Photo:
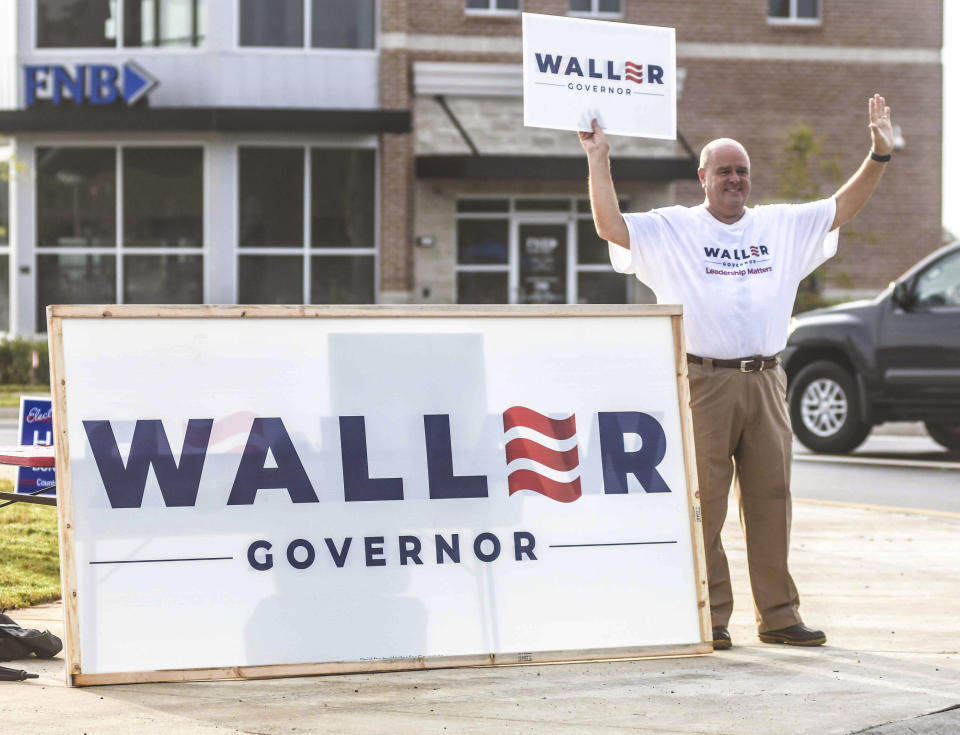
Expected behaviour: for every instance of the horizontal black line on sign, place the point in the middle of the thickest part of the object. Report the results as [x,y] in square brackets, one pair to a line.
[154,561]
[622,543]
[551,84]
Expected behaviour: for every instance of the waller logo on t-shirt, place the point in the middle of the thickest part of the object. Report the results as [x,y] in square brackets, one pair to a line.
[737,262]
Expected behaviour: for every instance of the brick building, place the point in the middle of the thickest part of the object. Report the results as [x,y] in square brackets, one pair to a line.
[355,151]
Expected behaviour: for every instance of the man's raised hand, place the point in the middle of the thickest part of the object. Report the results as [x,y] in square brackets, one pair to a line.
[881,126]
[595,143]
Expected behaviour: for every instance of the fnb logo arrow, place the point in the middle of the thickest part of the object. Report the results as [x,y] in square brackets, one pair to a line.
[96,84]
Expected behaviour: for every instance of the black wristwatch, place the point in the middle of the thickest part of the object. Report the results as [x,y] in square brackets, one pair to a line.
[878,157]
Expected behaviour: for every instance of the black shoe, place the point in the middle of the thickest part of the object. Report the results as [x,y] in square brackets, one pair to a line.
[721,638]
[795,635]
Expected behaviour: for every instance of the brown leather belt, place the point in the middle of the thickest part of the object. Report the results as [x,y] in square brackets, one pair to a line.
[745,365]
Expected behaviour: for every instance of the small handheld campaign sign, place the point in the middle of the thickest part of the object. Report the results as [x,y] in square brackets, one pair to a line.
[624,75]
[36,429]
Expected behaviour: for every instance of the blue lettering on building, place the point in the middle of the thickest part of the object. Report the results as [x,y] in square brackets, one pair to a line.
[94,84]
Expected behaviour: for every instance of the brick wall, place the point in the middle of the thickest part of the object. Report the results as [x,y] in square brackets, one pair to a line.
[901,222]
[396,172]
[845,22]
[753,101]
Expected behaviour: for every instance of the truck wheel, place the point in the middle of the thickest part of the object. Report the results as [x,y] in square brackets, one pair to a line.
[825,409]
[945,433]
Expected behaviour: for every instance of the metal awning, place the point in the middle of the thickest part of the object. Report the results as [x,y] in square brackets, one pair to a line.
[484,137]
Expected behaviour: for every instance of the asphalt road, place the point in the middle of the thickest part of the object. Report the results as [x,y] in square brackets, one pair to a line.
[900,471]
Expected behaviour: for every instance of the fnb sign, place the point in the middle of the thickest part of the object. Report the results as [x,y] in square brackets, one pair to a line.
[270,460]
[95,84]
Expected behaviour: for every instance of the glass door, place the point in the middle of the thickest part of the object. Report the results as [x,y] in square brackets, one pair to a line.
[542,263]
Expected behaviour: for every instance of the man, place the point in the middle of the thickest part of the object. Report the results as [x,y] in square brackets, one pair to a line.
[736,270]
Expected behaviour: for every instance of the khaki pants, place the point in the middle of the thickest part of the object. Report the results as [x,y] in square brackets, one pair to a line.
[741,428]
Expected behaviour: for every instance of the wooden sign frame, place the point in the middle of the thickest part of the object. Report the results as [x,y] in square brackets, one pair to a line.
[75,674]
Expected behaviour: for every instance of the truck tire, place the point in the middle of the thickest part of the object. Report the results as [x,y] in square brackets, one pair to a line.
[945,433]
[825,409]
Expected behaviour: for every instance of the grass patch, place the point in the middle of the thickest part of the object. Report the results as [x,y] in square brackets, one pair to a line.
[29,560]
[10,394]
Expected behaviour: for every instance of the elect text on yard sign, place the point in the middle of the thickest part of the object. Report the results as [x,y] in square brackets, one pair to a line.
[36,429]
[412,489]
[624,75]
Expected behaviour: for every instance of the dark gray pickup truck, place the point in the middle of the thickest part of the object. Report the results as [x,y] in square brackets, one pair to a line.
[893,358]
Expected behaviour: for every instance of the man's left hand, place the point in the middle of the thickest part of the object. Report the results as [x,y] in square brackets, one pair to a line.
[881,126]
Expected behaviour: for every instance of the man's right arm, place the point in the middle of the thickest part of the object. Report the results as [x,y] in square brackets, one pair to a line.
[603,198]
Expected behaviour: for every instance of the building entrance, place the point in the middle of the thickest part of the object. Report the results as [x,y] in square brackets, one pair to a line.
[542,263]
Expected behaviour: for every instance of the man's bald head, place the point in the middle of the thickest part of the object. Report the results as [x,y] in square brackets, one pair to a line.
[714,145]
[725,177]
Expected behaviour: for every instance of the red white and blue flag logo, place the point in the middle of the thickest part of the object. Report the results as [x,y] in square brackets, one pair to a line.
[542,454]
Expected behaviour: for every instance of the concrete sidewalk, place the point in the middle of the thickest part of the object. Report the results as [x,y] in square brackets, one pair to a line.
[884,585]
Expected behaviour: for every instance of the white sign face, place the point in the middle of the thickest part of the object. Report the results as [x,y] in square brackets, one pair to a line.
[249,492]
[624,75]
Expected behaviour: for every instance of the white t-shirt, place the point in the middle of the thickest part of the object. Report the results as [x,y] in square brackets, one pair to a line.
[737,283]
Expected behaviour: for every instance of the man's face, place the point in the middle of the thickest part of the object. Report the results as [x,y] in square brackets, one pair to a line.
[726,180]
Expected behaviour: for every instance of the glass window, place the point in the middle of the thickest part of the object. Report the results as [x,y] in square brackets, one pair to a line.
[779,9]
[271,197]
[800,11]
[341,279]
[482,241]
[342,200]
[271,22]
[341,191]
[74,278]
[76,23]
[270,279]
[808,9]
[163,197]
[483,205]
[76,197]
[163,279]
[601,287]
[542,205]
[492,5]
[479,287]
[939,285]
[163,22]
[595,7]
[590,248]
[342,23]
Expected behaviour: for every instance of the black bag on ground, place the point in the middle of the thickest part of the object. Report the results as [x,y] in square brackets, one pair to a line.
[17,642]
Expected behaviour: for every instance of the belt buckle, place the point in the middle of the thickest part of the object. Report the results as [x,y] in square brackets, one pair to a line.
[746,365]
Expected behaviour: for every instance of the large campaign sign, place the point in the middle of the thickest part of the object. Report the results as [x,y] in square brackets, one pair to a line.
[624,75]
[36,429]
[315,490]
